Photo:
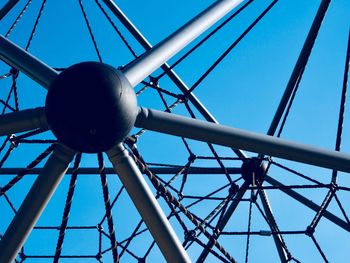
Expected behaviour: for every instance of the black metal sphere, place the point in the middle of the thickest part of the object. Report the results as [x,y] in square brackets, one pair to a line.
[90,107]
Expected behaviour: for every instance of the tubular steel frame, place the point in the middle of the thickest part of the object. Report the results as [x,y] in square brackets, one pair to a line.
[130,166]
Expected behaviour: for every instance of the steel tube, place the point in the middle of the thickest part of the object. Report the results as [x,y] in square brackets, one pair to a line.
[34,203]
[147,205]
[136,71]
[20,59]
[171,73]
[7,8]
[236,138]
[22,121]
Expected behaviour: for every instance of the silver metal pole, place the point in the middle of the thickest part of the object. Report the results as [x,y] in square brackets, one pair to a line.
[160,53]
[21,121]
[20,59]
[147,205]
[34,203]
[171,73]
[236,138]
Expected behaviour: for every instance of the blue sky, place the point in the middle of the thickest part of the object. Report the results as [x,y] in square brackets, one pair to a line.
[243,92]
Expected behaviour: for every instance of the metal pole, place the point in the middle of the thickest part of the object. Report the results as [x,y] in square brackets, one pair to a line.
[236,138]
[21,121]
[34,203]
[20,59]
[7,8]
[136,71]
[155,170]
[147,205]
[171,73]
[300,64]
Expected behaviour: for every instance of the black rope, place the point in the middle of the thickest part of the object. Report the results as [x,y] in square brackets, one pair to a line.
[230,48]
[290,103]
[18,18]
[319,248]
[67,208]
[296,172]
[12,146]
[33,164]
[212,33]
[90,30]
[116,29]
[108,208]
[342,105]
[323,208]
[342,208]
[35,24]
[248,229]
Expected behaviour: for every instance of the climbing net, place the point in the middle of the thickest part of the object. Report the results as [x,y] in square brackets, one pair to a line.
[223,204]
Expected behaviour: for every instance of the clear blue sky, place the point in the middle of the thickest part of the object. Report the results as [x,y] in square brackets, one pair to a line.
[243,92]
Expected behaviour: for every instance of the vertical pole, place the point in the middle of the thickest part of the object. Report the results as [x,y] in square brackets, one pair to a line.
[34,203]
[147,205]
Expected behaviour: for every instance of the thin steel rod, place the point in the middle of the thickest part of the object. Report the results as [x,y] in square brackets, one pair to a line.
[223,222]
[139,69]
[290,192]
[34,203]
[300,64]
[20,59]
[22,121]
[7,8]
[171,73]
[147,205]
[231,137]
[155,170]
[278,239]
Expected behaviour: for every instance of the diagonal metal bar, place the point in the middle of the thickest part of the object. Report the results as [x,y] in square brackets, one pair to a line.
[231,137]
[171,73]
[35,202]
[7,8]
[20,59]
[223,222]
[22,121]
[140,68]
[300,65]
[147,205]
[307,202]
[278,239]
